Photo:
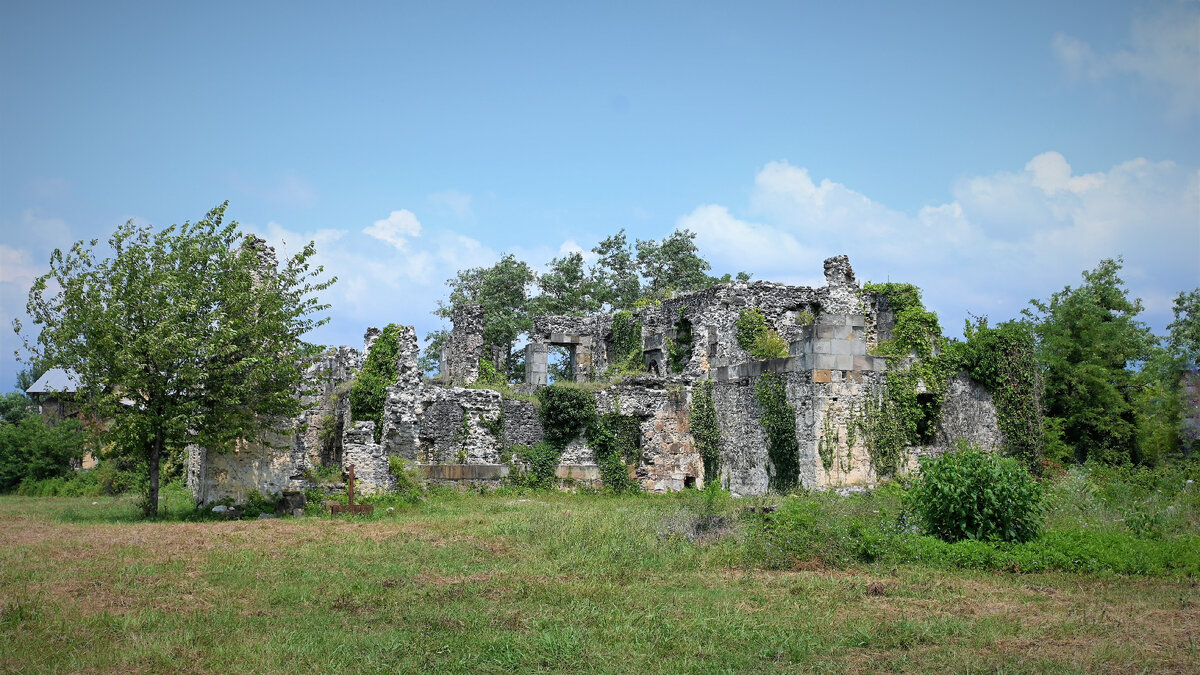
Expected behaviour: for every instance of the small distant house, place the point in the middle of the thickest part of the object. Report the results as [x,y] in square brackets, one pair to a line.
[55,392]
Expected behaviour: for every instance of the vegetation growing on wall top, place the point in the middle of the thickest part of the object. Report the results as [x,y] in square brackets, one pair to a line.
[755,337]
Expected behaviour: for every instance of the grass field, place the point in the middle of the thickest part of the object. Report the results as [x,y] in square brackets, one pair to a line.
[538,582]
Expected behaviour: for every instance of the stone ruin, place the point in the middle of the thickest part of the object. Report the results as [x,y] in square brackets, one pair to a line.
[447,429]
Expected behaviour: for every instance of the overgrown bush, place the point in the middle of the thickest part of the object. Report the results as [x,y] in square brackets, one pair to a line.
[540,462]
[755,337]
[971,494]
[257,503]
[409,485]
[564,412]
[34,450]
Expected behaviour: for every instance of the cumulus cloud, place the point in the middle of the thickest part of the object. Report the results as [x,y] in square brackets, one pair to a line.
[1004,238]
[456,203]
[1164,53]
[396,229]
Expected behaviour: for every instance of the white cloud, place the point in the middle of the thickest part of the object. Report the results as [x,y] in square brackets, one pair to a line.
[1164,53]
[453,201]
[16,266]
[396,229]
[1004,238]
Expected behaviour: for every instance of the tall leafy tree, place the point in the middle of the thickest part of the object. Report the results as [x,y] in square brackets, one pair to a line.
[567,288]
[190,334]
[673,265]
[1089,337]
[615,273]
[503,292]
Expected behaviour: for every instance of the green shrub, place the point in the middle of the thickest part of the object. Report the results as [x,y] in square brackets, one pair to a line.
[32,449]
[409,485]
[540,462]
[753,336]
[257,503]
[614,439]
[971,494]
[627,345]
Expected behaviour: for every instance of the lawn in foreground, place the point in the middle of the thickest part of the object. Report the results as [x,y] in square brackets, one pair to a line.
[540,582]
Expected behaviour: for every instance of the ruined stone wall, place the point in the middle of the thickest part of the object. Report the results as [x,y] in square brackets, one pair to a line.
[272,466]
[669,460]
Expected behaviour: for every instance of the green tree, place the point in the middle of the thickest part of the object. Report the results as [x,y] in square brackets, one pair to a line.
[14,406]
[1183,337]
[567,288]
[33,449]
[186,335]
[503,292]
[615,273]
[1088,338]
[673,265]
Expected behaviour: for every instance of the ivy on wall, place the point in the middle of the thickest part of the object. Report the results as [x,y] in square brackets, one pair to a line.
[706,431]
[627,344]
[679,350]
[779,421]
[369,391]
[1002,360]
[614,438]
[907,411]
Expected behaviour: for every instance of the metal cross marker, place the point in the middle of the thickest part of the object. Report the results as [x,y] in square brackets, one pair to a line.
[351,507]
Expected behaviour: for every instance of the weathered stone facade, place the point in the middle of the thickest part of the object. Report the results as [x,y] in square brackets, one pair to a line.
[464,435]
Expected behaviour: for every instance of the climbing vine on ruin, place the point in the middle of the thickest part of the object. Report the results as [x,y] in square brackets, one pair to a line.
[706,430]
[917,330]
[679,350]
[369,392]
[779,421]
[614,439]
[908,408]
[1002,360]
[756,338]
[627,343]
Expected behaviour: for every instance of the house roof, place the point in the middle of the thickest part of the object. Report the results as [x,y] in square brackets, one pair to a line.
[55,381]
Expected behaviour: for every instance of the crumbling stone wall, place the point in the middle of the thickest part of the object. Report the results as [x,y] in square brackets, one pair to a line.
[831,380]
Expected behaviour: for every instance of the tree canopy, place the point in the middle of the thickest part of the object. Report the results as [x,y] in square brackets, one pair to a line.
[1088,338]
[190,334]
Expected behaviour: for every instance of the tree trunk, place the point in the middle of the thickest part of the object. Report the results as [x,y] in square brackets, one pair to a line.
[150,508]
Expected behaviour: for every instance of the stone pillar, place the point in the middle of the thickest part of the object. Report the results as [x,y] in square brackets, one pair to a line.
[537,364]
[461,365]
[402,408]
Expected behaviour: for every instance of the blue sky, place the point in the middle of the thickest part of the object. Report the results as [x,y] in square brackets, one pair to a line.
[988,154]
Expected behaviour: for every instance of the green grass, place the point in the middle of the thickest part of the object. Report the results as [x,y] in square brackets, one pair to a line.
[543,582]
